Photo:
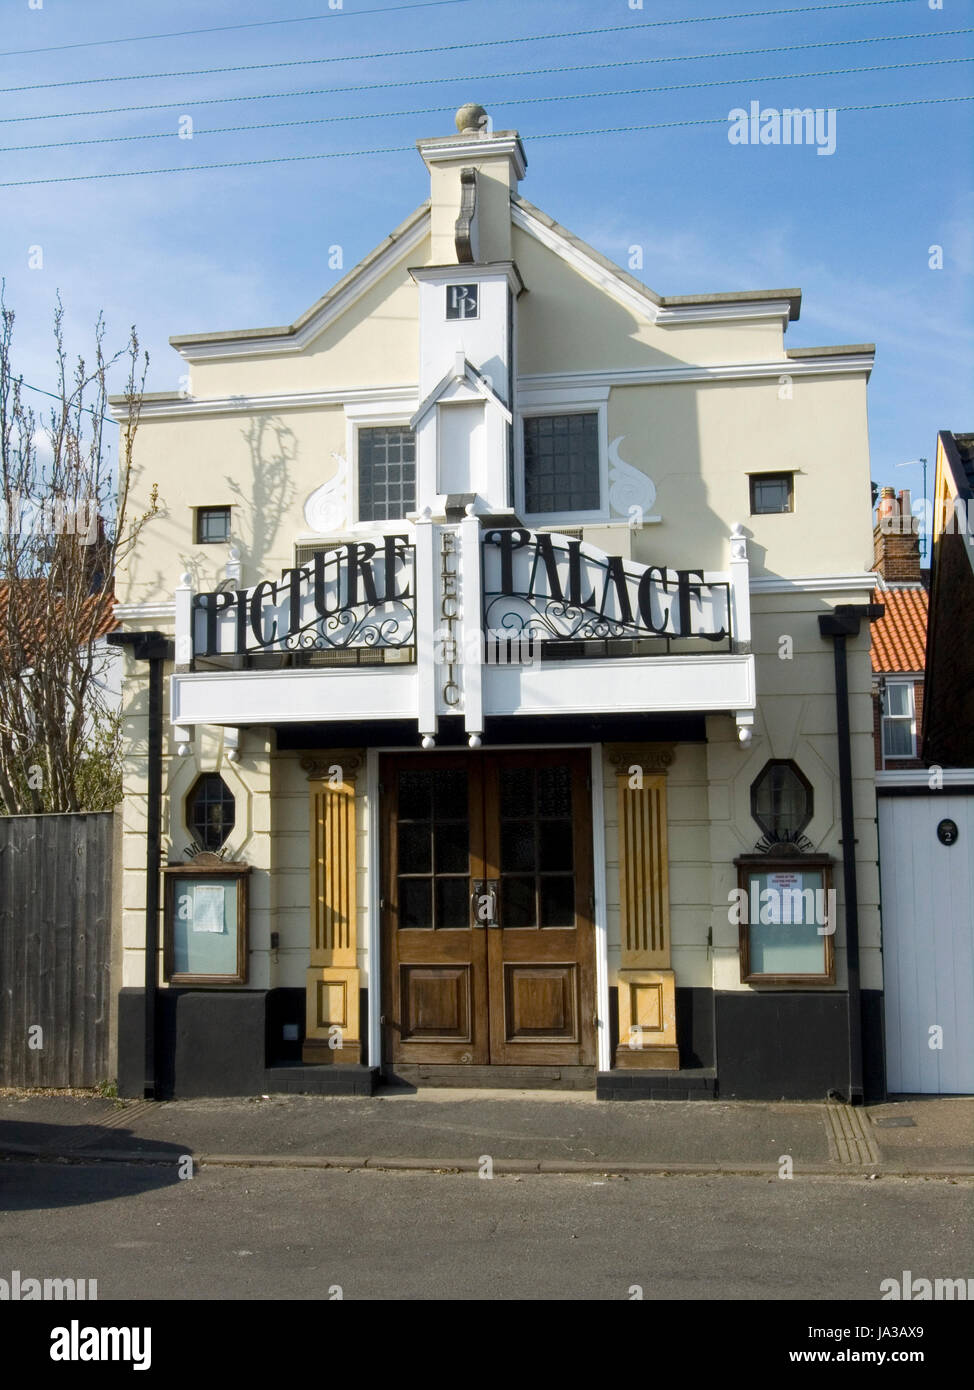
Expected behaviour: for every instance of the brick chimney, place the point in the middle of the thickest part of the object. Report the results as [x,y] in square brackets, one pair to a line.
[896,541]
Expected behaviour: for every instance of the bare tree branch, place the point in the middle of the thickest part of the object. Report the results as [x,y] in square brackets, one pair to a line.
[64,503]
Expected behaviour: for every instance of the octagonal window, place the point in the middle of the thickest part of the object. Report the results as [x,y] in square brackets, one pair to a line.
[210,811]
[781,800]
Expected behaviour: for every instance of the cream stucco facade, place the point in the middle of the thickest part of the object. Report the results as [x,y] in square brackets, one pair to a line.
[693,396]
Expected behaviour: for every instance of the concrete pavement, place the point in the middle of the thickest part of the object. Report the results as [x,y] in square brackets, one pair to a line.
[517,1131]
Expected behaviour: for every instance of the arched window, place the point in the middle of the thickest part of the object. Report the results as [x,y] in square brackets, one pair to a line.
[210,810]
[781,800]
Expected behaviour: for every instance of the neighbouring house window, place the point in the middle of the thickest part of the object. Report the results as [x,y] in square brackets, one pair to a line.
[772,492]
[386,472]
[212,525]
[781,800]
[561,463]
[899,720]
[210,811]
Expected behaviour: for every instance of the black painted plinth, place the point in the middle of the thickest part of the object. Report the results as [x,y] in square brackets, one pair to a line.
[697,1084]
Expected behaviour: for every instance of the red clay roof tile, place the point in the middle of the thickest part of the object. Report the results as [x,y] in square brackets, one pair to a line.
[900,637]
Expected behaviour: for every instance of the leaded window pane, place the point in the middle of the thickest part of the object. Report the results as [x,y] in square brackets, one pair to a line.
[386,473]
[561,463]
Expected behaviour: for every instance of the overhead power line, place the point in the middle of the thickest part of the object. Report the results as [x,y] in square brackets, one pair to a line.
[410,149]
[351,14]
[225,28]
[85,409]
[427,48]
[483,77]
[505,101]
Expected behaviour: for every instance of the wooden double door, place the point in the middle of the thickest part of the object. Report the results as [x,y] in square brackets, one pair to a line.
[488,942]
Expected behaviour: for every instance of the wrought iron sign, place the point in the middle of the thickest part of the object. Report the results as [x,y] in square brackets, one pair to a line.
[559,590]
[357,595]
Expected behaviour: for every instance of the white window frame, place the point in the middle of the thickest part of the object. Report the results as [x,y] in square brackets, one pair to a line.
[374,415]
[571,402]
[910,686]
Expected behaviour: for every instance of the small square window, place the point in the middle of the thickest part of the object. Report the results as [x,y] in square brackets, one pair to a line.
[212,525]
[772,492]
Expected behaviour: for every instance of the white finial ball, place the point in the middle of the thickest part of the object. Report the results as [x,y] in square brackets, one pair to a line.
[428,742]
[474,741]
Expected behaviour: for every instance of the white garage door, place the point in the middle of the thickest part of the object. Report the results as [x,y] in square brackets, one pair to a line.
[928,942]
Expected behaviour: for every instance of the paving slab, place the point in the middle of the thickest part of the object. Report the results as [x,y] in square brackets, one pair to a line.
[942,1133]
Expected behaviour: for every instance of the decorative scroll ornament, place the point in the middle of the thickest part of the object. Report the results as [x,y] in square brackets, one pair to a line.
[326,508]
[465,237]
[652,758]
[784,845]
[384,626]
[628,487]
[341,763]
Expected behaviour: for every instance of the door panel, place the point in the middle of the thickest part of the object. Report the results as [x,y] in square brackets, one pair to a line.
[434,995]
[541,957]
[487,923]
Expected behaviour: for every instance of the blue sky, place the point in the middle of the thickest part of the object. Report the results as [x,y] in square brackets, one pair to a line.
[231,248]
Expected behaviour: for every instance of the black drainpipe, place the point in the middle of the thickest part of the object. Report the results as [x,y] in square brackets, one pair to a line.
[156,649]
[841,623]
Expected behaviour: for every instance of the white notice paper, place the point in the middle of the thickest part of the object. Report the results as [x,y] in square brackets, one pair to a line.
[208,907]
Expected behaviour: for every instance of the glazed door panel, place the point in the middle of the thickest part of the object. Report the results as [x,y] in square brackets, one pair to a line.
[487,924]
[434,966]
[541,952]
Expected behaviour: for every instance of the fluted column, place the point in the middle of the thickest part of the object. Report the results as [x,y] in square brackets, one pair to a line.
[332,1031]
[647,983]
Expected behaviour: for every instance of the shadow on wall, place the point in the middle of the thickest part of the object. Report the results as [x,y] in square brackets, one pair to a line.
[260,507]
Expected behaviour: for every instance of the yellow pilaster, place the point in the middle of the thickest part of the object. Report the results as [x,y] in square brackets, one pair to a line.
[332,1029]
[647,984]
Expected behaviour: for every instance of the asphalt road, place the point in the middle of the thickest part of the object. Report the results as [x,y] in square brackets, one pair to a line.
[267,1234]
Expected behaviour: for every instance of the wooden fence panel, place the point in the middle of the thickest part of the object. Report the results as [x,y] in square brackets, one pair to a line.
[55,949]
